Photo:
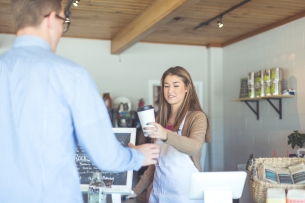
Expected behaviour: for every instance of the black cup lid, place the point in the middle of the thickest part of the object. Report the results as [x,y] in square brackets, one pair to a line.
[144,108]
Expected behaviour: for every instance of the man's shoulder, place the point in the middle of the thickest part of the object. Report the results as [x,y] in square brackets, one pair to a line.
[59,64]
[60,61]
[41,56]
[44,60]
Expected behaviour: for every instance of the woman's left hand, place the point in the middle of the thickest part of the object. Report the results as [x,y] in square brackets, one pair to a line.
[155,130]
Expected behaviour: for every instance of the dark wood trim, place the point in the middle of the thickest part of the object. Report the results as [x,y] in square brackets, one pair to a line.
[214,45]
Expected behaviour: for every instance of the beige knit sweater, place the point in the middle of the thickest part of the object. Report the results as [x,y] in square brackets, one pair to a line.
[190,143]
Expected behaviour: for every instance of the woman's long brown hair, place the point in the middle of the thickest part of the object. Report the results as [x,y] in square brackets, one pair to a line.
[190,102]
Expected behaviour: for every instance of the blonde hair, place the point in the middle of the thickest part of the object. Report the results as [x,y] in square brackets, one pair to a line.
[190,101]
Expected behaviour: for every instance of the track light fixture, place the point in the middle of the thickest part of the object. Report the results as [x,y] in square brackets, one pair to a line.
[220,24]
[75,3]
[67,11]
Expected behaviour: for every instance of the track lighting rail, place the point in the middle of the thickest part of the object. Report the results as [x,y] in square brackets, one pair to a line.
[67,9]
[204,24]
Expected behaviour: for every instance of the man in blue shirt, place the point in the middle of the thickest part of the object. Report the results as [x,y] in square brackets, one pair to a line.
[47,105]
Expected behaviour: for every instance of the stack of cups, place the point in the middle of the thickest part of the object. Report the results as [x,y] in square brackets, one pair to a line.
[276,81]
[259,84]
[251,93]
[267,81]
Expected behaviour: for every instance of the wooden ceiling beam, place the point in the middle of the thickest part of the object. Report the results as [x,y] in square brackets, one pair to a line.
[159,13]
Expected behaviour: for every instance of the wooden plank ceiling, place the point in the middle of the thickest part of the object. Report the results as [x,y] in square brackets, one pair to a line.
[126,22]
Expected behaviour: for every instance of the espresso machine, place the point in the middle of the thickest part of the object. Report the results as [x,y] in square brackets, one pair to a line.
[126,119]
[122,117]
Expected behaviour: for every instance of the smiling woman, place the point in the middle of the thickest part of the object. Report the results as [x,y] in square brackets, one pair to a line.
[174,90]
[154,89]
[181,129]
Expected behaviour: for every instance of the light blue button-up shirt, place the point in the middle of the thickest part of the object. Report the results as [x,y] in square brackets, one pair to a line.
[47,105]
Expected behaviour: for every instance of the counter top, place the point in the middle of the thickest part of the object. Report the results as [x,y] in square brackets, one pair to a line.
[130,200]
[85,196]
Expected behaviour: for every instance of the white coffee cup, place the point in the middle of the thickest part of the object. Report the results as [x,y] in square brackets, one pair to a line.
[146,115]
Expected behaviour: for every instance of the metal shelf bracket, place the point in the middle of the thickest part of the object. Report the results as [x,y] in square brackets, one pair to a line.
[256,112]
[268,98]
[278,110]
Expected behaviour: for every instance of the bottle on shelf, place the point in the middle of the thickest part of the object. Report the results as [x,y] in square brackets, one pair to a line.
[141,103]
[107,100]
[96,188]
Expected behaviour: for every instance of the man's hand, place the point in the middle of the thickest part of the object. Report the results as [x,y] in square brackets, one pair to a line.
[150,152]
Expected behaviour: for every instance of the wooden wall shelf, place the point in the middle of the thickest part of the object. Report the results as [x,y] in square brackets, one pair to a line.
[268,98]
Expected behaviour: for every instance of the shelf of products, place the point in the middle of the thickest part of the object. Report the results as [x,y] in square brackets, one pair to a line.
[268,98]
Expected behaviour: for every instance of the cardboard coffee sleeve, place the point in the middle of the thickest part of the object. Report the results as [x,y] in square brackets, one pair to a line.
[297,172]
[267,173]
[295,195]
[284,176]
[276,195]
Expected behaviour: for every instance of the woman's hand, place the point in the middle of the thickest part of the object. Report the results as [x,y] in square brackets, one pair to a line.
[126,197]
[155,130]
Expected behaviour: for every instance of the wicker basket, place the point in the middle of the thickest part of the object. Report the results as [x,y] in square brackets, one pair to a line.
[259,188]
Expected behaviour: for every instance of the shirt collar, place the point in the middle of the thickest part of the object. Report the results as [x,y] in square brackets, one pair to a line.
[30,40]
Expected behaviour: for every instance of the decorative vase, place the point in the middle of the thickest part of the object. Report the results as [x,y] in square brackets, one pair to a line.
[107,100]
[141,103]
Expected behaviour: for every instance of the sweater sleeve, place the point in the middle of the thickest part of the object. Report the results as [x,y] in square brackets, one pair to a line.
[145,180]
[193,137]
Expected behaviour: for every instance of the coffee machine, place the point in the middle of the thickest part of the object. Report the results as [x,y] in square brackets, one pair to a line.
[123,119]
[126,119]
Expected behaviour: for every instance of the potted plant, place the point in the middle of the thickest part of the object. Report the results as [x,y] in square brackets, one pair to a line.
[296,139]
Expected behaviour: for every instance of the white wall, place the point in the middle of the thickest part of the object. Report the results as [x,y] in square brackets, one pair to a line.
[6,42]
[243,133]
[215,108]
[128,74]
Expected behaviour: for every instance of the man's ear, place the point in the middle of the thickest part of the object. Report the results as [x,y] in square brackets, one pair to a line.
[51,20]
